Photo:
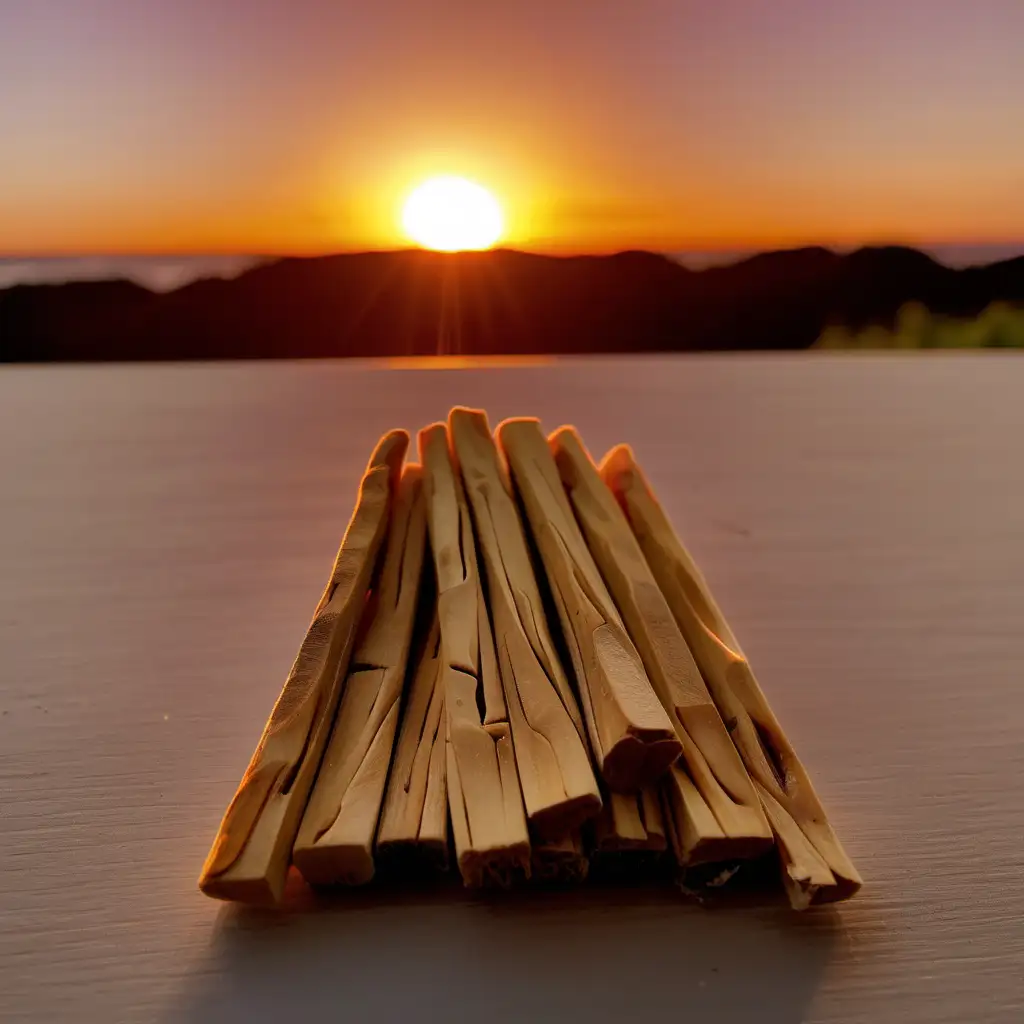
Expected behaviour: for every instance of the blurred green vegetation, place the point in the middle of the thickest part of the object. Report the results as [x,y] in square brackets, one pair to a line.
[1001,325]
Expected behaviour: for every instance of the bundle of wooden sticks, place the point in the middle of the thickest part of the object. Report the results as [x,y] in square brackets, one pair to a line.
[516,655]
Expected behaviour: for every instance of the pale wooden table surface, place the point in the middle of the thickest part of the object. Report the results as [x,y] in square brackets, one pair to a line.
[166,532]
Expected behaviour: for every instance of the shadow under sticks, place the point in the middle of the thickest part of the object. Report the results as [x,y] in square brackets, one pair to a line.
[444,954]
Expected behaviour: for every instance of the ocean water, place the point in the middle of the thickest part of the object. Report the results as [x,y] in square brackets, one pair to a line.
[160,273]
[165,273]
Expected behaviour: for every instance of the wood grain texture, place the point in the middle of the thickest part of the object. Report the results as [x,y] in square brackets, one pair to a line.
[251,853]
[334,844]
[630,823]
[485,800]
[860,520]
[559,789]
[631,737]
[413,834]
[815,868]
[718,817]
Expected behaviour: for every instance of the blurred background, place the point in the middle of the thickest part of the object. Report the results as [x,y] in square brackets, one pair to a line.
[252,179]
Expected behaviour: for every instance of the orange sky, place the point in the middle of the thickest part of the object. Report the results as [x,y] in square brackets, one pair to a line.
[259,126]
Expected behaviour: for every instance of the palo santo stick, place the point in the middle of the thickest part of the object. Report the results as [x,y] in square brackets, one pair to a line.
[251,854]
[560,861]
[628,838]
[816,869]
[717,811]
[414,822]
[335,840]
[484,796]
[631,822]
[559,788]
[632,739]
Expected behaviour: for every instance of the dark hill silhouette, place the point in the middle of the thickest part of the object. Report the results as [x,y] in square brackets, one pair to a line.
[390,303]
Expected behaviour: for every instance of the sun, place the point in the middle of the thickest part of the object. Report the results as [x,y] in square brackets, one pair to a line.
[450,214]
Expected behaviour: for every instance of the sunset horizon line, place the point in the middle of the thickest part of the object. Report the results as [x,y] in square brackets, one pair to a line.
[556,250]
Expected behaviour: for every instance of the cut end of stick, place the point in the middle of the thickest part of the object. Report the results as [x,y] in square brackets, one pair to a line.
[556,822]
[514,423]
[411,859]
[635,762]
[430,438]
[560,863]
[472,421]
[726,850]
[628,838]
[261,892]
[844,889]
[390,451]
[335,865]
[495,868]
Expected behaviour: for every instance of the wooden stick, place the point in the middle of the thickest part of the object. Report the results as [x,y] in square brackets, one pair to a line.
[251,854]
[718,813]
[632,739]
[484,795]
[559,788]
[335,840]
[560,861]
[631,822]
[816,868]
[628,839]
[414,822]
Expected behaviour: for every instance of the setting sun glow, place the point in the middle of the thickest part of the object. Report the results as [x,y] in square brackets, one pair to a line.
[450,214]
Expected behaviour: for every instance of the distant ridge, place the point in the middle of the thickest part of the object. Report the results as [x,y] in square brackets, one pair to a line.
[509,303]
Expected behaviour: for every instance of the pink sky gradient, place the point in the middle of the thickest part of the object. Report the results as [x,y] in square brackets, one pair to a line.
[245,125]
